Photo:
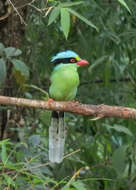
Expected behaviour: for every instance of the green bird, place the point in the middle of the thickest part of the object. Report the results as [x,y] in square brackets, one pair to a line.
[64,84]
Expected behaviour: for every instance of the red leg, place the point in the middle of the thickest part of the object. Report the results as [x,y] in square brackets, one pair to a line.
[50,100]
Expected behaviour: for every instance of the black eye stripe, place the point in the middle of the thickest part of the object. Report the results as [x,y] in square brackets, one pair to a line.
[64,60]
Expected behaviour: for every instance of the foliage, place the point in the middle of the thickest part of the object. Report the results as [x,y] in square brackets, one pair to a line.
[65,16]
[106,159]
[20,70]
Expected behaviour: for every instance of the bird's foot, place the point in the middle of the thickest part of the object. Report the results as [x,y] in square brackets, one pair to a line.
[75,101]
[50,100]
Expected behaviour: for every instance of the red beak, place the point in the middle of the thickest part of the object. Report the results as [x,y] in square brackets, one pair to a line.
[82,62]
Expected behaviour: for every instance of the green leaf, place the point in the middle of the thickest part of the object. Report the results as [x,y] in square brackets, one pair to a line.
[12,52]
[3,72]
[28,95]
[4,144]
[70,4]
[9,180]
[45,117]
[2,46]
[65,21]
[21,67]
[4,155]
[120,128]
[118,159]
[13,166]
[79,185]
[82,18]
[6,141]
[125,5]
[1,49]
[53,15]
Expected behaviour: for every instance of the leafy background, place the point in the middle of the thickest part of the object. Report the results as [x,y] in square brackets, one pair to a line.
[99,155]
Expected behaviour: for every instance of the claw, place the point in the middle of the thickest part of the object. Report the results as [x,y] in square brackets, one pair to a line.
[75,101]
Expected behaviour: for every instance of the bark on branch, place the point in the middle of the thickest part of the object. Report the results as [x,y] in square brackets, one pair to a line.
[99,111]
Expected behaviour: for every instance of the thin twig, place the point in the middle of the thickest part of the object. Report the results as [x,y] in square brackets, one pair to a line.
[21,18]
[48,10]
[70,154]
[40,165]
[77,173]
[37,9]
[7,14]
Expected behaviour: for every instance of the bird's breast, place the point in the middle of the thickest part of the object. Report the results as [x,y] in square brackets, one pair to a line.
[64,84]
[69,77]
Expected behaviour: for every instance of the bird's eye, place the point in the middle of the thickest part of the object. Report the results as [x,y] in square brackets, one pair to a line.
[72,60]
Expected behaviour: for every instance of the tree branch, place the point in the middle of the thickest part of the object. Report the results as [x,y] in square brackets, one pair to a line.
[99,111]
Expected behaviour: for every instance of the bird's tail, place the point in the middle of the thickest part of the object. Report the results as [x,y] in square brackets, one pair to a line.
[57,133]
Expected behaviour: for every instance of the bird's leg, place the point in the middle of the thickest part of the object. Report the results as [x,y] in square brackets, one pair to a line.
[50,100]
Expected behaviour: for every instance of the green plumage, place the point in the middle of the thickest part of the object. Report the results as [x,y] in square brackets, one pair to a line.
[64,82]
